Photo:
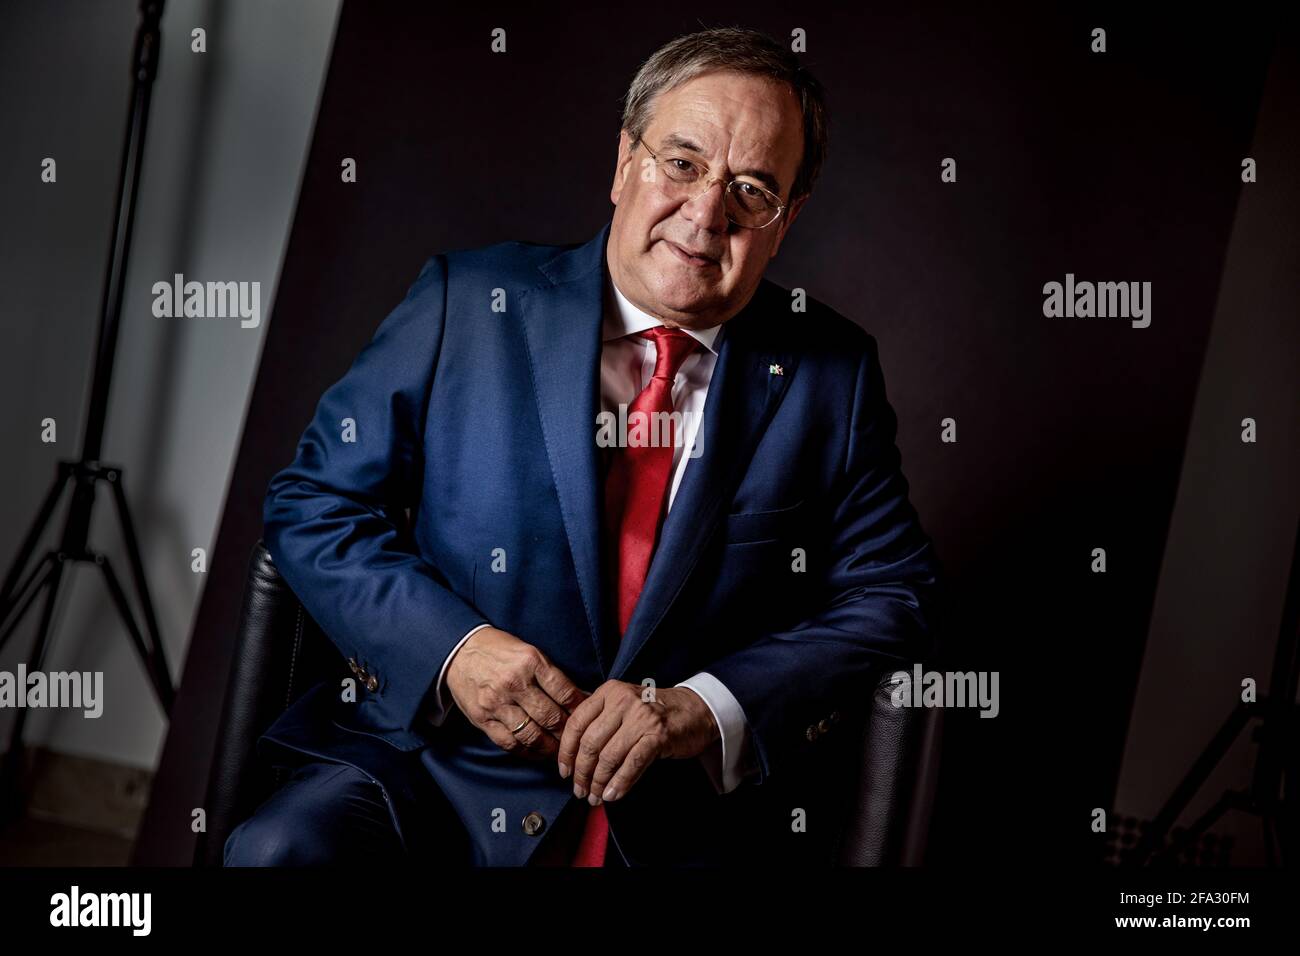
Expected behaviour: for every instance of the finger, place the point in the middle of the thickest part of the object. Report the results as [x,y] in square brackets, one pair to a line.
[558,687]
[531,738]
[612,756]
[574,728]
[549,715]
[641,756]
[500,735]
[593,742]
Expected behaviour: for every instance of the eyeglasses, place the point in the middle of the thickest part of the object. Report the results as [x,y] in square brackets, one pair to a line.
[747,204]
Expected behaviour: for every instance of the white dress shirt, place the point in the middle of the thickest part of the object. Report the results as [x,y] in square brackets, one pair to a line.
[627,363]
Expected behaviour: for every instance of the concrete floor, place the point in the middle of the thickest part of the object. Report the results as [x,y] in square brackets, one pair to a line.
[32,842]
[79,812]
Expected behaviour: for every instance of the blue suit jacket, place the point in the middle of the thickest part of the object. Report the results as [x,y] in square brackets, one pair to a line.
[474,430]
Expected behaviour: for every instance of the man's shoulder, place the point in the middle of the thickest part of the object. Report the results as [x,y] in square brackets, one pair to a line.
[506,263]
[819,330]
[510,250]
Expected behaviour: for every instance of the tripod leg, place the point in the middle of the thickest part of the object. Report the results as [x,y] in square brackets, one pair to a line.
[157,659]
[24,597]
[11,792]
[162,688]
[1195,778]
[1229,801]
[33,535]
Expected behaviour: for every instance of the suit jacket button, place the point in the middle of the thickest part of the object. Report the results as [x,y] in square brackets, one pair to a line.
[534,823]
[372,683]
[823,725]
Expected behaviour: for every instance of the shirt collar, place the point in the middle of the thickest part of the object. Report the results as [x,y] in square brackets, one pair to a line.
[623,318]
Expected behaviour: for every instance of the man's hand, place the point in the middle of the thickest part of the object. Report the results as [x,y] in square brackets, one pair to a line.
[613,736]
[498,681]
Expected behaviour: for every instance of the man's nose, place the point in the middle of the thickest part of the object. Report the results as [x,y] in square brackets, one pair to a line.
[708,208]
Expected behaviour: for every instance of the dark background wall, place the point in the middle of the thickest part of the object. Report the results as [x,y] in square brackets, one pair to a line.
[1121,166]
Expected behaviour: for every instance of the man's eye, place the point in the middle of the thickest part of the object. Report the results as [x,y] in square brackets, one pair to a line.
[751,191]
[682,165]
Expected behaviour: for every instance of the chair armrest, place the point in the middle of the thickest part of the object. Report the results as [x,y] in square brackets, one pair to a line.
[894,785]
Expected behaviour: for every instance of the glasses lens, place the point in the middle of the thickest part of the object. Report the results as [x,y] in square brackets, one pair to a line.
[750,206]
[679,170]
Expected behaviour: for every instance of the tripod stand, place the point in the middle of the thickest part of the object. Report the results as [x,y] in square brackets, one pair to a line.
[20,590]
[1277,763]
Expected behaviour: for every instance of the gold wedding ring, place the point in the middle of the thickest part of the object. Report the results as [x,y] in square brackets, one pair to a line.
[521,726]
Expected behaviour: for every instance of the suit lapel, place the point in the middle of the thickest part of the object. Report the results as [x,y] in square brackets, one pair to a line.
[744,393]
[562,331]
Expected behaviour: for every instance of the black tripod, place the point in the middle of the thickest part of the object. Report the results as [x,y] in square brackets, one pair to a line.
[21,589]
[1277,762]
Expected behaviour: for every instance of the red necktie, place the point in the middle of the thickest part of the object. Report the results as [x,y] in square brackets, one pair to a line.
[635,491]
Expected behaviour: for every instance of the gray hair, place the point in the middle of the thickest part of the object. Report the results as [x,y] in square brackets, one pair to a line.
[738,50]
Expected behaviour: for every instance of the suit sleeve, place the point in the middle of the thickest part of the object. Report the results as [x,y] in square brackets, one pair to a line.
[882,581]
[334,523]
[440,700]
[728,761]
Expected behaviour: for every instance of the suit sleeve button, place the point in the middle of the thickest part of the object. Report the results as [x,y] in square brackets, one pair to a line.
[372,683]
[811,732]
[823,725]
[534,823]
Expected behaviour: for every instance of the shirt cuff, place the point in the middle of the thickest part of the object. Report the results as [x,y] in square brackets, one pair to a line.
[439,709]
[729,761]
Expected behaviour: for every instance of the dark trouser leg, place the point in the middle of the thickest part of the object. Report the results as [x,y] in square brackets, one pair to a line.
[326,813]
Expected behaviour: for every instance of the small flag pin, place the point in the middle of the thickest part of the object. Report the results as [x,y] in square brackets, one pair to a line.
[775,370]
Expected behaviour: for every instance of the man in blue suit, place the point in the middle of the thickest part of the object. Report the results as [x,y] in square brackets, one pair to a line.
[572,643]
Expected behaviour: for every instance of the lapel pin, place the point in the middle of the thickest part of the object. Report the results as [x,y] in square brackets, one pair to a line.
[775,370]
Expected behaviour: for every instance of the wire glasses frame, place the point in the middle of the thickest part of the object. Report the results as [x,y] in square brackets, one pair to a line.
[734,201]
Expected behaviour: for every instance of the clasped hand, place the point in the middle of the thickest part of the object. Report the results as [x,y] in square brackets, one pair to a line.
[606,739]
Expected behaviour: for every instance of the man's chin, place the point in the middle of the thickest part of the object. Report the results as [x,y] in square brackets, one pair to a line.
[681,304]
[688,315]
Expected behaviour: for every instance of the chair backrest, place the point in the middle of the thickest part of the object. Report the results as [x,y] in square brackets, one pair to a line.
[280,653]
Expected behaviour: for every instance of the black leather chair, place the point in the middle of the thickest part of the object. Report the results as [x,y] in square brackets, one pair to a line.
[280,653]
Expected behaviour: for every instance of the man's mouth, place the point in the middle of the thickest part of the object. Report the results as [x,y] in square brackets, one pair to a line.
[700,261]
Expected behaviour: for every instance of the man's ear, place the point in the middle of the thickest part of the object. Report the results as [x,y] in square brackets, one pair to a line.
[787,221]
[622,167]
